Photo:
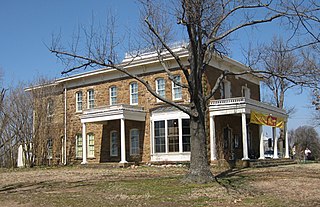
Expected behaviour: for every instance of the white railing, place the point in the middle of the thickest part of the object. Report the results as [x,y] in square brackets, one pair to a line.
[109,108]
[243,100]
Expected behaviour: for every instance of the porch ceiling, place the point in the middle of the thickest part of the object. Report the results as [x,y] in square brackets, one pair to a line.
[113,112]
[243,105]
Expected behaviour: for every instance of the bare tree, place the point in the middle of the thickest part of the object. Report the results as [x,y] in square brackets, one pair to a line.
[306,137]
[206,24]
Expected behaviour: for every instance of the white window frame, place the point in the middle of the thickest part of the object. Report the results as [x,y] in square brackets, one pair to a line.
[134,150]
[134,92]
[79,103]
[79,147]
[114,153]
[165,117]
[161,91]
[90,145]
[113,90]
[90,98]
[176,87]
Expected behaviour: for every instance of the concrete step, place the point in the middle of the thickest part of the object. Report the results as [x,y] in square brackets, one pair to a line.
[271,162]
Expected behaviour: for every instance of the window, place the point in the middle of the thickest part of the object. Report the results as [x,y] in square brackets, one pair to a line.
[113,95]
[245,92]
[134,142]
[49,149]
[113,143]
[161,87]
[159,136]
[90,145]
[79,101]
[176,89]
[78,145]
[173,135]
[134,93]
[186,135]
[90,99]
[225,89]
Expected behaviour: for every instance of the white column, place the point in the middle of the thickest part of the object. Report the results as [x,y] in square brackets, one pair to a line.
[261,143]
[20,160]
[123,141]
[285,131]
[244,137]
[275,143]
[84,144]
[213,148]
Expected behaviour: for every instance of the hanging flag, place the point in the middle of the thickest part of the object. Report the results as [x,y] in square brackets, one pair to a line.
[265,119]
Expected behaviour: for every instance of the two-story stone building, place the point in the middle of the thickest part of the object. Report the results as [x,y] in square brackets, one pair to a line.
[106,116]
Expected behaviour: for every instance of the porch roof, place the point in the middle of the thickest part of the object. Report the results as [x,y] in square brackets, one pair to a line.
[243,105]
[113,112]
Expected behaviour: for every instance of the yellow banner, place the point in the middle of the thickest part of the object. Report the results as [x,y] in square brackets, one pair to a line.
[264,119]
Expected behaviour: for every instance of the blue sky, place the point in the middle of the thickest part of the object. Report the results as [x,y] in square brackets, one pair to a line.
[27,27]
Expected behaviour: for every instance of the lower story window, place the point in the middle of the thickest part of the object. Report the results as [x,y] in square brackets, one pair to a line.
[78,145]
[159,136]
[170,134]
[114,143]
[134,141]
[90,145]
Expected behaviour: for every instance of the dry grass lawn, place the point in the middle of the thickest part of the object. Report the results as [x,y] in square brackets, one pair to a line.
[292,185]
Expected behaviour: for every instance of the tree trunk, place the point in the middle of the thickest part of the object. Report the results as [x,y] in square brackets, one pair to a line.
[199,171]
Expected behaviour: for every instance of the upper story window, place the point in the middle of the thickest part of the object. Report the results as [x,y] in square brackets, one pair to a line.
[225,89]
[176,89]
[90,99]
[246,92]
[113,143]
[113,95]
[78,145]
[79,101]
[161,87]
[134,93]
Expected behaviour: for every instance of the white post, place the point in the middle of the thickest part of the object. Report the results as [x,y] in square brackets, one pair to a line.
[244,137]
[123,141]
[261,143]
[286,140]
[84,144]
[213,149]
[275,145]
[20,161]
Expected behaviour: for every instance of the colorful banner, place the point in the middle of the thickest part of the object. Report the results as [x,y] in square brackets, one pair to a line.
[264,119]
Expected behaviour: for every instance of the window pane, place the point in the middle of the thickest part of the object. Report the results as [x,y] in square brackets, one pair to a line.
[176,89]
[79,101]
[91,99]
[79,145]
[133,93]
[159,136]
[186,135]
[114,143]
[90,145]
[134,142]
[113,95]
[161,87]
[173,135]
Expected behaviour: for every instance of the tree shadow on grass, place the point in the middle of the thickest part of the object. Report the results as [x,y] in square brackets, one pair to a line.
[231,180]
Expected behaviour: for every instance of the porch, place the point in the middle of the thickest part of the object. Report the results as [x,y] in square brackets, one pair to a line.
[245,107]
[120,113]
